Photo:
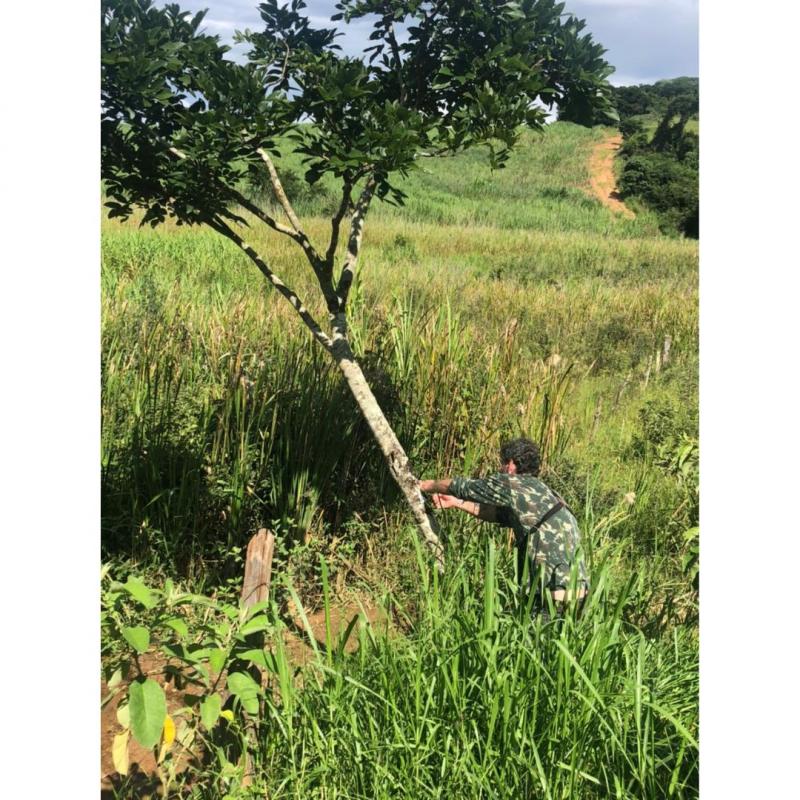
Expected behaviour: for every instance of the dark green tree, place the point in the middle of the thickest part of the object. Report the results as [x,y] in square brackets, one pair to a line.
[183,126]
[670,133]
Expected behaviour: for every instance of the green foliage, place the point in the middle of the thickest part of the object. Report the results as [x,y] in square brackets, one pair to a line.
[148,710]
[666,185]
[642,99]
[182,125]
[179,121]
[661,170]
[474,700]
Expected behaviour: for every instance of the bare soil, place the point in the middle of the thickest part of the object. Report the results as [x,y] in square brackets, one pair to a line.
[602,181]
[142,764]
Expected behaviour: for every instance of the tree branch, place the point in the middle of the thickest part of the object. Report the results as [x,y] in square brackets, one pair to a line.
[336,222]
[264,217]
[299,237]
[220,227]
[277,187]
[354,242]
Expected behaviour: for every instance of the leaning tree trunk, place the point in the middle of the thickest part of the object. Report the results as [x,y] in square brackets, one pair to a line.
[396,458]
[341,352]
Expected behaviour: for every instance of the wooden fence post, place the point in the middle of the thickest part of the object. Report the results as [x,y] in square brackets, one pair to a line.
[255,589]
[258,568]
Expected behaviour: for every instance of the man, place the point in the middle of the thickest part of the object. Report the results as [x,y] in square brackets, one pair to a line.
[545,530]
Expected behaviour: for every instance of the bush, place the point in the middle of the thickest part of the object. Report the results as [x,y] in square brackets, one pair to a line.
[667,186]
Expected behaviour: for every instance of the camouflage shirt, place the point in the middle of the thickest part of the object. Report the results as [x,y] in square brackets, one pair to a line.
[521,501]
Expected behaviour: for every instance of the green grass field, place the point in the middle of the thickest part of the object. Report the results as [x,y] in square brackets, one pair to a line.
[491,305]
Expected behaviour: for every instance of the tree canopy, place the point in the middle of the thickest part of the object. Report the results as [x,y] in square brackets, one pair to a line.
[182,124]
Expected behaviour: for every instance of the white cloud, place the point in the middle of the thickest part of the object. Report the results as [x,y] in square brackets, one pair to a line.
[646,40]
[222,24]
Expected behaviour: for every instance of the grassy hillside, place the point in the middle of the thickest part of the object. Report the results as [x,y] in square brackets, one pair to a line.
[492,304]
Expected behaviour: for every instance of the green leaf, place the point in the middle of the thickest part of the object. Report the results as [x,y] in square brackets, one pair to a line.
[246,691]
[138,638]
[257,657]
[139,592]
[209,710]
[216,659]
[259,623]
[179,626]
[148,709]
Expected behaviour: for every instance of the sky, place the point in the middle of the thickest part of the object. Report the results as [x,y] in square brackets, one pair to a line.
[646,40]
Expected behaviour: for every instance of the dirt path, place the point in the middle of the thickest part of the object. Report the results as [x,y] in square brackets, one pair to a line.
[602,180]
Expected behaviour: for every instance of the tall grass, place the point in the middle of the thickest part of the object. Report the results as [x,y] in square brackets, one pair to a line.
[476,700]
[217,407]
[490,306]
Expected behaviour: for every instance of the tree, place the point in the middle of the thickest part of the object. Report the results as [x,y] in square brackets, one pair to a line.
[669,135]
[182,126]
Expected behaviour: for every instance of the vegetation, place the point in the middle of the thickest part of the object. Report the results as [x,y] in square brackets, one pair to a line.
[216,421]
[183,127]
[661,150]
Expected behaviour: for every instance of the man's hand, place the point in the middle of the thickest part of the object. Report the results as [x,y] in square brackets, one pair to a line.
[446,501]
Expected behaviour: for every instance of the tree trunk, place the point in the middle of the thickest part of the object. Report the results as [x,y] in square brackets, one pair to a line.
[391,448]
[340,350]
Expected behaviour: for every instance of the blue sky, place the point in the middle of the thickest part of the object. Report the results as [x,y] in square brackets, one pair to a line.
[646,40]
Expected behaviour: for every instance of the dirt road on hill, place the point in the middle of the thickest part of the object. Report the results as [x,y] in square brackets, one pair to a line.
[602,180]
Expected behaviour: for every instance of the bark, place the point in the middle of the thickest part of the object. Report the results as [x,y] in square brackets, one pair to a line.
[396,458]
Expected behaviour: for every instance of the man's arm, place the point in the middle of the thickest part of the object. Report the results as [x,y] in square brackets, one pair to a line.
[487,513]
[439,486]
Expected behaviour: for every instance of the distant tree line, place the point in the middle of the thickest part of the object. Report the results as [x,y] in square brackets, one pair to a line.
[661,168]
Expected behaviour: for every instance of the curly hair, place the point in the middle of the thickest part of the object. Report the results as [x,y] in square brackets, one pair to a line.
[524,453]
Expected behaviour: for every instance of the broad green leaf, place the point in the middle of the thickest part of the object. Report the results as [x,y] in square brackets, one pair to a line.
[179,626]
[148,707]
[138,638]
[209,710]
[259,623]
[257,657]
[119,752]
[139,592]
[216,659]
[245,689]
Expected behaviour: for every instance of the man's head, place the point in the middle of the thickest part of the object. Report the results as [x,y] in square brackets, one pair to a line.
[520,457]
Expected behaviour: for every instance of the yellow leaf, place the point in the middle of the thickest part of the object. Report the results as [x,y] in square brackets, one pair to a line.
[119,752]
[228,714]
[168,733]
[124,716]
